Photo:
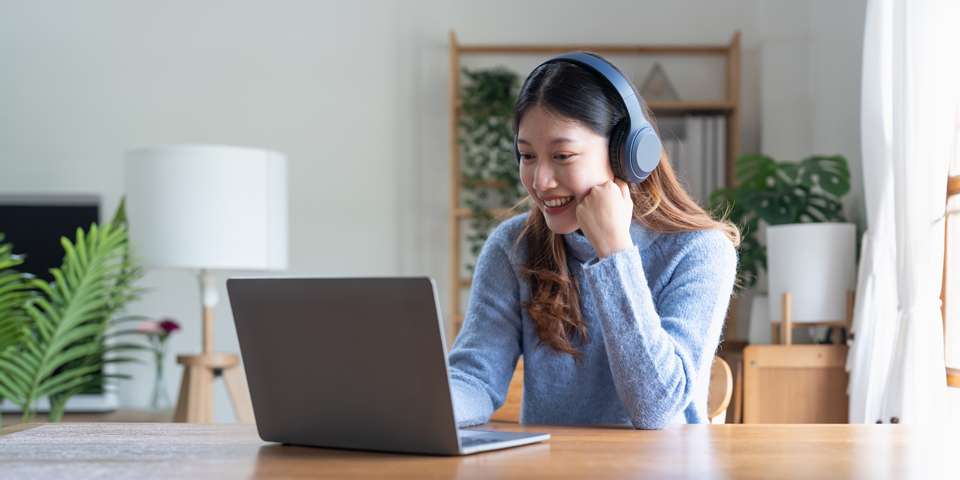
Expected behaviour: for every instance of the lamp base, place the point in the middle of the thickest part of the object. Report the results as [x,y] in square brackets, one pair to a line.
[195,401]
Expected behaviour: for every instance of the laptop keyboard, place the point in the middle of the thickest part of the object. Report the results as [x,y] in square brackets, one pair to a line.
[470,438]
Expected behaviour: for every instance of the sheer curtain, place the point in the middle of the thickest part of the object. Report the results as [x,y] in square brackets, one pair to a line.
[910,87]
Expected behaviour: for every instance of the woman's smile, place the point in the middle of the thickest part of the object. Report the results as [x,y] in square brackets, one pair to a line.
[557,205]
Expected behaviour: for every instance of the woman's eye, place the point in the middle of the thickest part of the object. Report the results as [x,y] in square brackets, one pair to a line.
[563,157]
[526,157]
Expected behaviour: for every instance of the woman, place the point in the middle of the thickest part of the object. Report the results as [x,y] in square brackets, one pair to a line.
[614,293]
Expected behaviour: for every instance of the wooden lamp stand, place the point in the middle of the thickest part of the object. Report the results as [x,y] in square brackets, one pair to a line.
[195,401]
[785,327]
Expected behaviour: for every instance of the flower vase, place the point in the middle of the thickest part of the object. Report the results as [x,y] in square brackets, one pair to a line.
[160,400]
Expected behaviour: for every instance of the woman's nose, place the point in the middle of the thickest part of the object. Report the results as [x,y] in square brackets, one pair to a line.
[543,178]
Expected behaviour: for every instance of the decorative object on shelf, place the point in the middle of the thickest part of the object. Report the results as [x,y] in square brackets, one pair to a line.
[656,87]
[55,338]
[205,208]
[779,193]
[157,333]
[491,179]
[696,147]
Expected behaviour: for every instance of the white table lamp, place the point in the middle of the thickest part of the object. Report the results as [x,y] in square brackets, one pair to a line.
[205,208]
[811,275]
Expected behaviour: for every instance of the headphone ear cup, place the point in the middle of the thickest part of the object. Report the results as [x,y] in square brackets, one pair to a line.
[643,150]
[618,138]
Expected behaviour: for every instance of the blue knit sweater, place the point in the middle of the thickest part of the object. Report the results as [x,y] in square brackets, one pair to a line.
[653,313]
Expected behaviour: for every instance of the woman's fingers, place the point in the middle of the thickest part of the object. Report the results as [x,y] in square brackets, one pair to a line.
[624,187]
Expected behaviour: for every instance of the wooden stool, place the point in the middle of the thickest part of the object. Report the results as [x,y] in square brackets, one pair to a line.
[195,402]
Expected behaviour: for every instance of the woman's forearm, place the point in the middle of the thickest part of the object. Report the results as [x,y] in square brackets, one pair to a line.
[657,350]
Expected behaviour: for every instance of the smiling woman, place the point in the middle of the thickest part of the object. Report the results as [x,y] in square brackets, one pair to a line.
[613,292]
[559,169]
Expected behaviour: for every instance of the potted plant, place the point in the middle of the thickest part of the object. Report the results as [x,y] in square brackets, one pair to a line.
[778,193]
[55,338]
[491,178]
[796,198]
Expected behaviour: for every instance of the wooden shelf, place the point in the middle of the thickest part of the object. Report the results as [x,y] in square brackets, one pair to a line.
[596,48]
[457,320]
[684,107]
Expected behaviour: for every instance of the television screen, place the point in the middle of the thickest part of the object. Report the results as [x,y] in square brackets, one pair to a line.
[34,225]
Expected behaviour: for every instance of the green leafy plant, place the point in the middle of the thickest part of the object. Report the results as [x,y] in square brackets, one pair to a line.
[490,175]
[14,292]
[778,193]
[54,339]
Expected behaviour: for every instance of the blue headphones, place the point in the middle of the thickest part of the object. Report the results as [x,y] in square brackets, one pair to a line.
[634,146]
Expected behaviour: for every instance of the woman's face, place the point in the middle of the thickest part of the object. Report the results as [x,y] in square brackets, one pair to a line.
[560,161]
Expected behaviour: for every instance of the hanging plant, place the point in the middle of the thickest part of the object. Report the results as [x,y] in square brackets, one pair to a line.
[778,193]
[490,176]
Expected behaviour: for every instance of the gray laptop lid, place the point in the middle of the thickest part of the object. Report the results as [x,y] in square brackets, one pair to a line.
[350,363]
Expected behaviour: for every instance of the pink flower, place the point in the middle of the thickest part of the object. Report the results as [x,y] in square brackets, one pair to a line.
[160,328]
[149,327]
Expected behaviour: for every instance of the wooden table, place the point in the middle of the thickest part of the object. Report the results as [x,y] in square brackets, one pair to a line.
[142,451]
[125,415]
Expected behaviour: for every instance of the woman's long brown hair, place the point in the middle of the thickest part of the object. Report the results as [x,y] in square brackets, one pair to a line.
[660,203]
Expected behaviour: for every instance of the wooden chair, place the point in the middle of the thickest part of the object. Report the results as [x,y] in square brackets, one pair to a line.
[721,389]
[953,189]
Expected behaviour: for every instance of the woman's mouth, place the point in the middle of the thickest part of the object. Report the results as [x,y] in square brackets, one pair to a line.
[557,205]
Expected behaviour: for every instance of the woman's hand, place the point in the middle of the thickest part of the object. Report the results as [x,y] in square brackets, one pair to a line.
[605,214]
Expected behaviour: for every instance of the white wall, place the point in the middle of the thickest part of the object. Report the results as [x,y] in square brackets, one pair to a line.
[810,82]
[355,93]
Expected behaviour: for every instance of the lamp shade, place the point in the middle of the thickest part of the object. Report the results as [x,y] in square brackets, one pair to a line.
[816,263]
[208,207]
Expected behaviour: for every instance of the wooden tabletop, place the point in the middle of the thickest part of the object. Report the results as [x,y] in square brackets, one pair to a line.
[158,450]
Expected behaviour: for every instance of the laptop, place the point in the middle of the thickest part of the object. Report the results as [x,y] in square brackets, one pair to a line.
[355,363]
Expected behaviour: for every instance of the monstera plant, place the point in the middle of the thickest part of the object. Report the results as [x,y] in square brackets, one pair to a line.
[780,193]
[56,337]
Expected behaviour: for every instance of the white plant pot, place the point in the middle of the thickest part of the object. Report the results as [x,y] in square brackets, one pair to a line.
[816,263]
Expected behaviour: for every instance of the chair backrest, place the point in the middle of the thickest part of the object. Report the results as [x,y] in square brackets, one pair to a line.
[947,306]
[721,389]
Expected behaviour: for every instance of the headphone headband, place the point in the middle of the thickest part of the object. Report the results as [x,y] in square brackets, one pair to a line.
[634,147]
[613,77]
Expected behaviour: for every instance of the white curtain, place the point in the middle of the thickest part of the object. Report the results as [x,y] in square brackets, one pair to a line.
[908,126]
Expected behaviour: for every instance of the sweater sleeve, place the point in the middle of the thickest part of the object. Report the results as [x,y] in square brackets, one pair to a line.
[657,349]
[485,352]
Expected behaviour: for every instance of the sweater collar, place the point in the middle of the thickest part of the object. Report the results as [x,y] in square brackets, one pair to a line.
[581,249]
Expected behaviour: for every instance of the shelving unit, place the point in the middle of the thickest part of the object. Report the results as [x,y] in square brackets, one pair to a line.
[729,107]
